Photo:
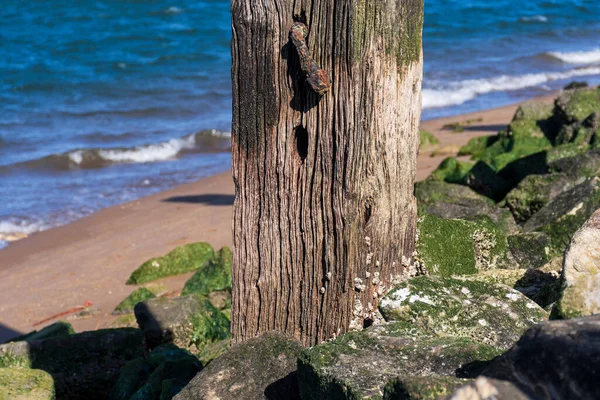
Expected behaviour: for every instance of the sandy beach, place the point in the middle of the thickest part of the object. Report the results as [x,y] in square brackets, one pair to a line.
[89,260]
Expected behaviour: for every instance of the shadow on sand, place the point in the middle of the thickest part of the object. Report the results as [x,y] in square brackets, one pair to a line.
[208,199]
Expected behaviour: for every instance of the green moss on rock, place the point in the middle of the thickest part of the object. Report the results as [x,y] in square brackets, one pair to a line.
[181,260]
[452,171]
[422,387]
[25,384]
[138,295]
[60,328]
[491,314]
[358,365]
[477,146]
[215,276]
[576,105]
[427,140]
[450,247]
[529,250]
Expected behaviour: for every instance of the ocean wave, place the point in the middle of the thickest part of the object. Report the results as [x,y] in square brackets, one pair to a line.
[204,141]
[577,57]
[460,92]
[535,18]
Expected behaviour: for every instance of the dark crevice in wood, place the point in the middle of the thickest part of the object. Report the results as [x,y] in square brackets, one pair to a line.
[301,136]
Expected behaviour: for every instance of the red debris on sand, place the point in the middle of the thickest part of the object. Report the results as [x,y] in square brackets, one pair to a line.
[71,311]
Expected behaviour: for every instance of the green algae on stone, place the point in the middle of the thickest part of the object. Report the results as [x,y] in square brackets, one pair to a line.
[179,261]
[358,365]
[452,171]
[215,276]
[495,315]
[214,351]
[533,110]
[26,384]
[127,305]
[427,140]
[576,105]
[60,328]
[191,322]
[477,146]
[422,387]
[450,247]
[529,249]
[431,191]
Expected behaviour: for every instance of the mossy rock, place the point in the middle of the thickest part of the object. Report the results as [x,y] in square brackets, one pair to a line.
[584,165]
[431,191]
[359,365]
[179,261]
[477,146]
[190,322]
[84,365]
[576,105]
[564,215]
[427,140]
[529,250]
[138,295]
[26,384]
[451,170]
[422,387]
[533,110]
[449,247]
[57,329]
[534,192]
[215,276]
[495,315]
[144,378]
[124,321]
[214,351]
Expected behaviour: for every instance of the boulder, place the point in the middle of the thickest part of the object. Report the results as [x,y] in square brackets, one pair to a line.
[477,146]
[561,358]
[427,141]
[25,384]
[60,328]
[190,322]
[451,170]
[529,249]
[449,247]
[564,215]
[84,365]
[488,389]
[127,305]
[470,208]
[161,375]
[214,277]
[359,365]
[431,191]
[533,110]
[179,261]
[534,192]
[576,105]
[421,387]
[581,272]
[577,168]
[494,315]
[260,368]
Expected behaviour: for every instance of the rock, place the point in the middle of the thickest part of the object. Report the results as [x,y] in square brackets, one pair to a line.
[84,365]
[576,85]
[181,260]
[359,365]
[585,165]
[451,170]
[144,378]
[564,215]
[190,322]
[581,272]
[561,358]
[477,146]
[529,250]
[25,384]
[431,191]
[468,208]
[534,192]
[213,277]
[127,305]
[488,389]
[60,328]
[449,247]
[214,351]
[576,105]
[260,368]
[494,315]
[427,141]
[421,387]
[533,110]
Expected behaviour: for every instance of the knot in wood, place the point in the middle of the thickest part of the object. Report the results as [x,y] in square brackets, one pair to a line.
[317,78]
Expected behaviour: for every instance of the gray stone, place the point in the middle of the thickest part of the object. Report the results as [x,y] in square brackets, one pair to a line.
[581,272]
[421,387]
[190,322]
[488,389]
[260,368]
[529,250]
[84,365]
[585,165]
[495,315]
[60,328]
[359,365]
[25,384]
[555,359]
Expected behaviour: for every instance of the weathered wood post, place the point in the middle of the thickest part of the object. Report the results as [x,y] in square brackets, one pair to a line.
[324,214]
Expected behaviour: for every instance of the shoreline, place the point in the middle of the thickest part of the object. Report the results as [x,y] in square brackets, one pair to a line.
[91,258]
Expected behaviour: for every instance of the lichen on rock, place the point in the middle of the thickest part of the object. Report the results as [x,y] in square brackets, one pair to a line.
[26,384]
[495,315]
[214,277]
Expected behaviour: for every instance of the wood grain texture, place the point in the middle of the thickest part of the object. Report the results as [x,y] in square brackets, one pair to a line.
[324,215]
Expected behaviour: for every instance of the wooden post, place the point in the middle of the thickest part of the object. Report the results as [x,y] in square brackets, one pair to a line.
[324,214]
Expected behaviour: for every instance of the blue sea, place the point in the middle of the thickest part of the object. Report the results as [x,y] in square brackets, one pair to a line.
[105,101]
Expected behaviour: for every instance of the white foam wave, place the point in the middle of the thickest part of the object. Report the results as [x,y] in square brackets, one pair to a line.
[150,153]
[578,57]
[173,10]
[535,18]
[460,92]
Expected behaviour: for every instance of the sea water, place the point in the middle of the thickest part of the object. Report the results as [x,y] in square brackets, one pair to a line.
[105,101]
